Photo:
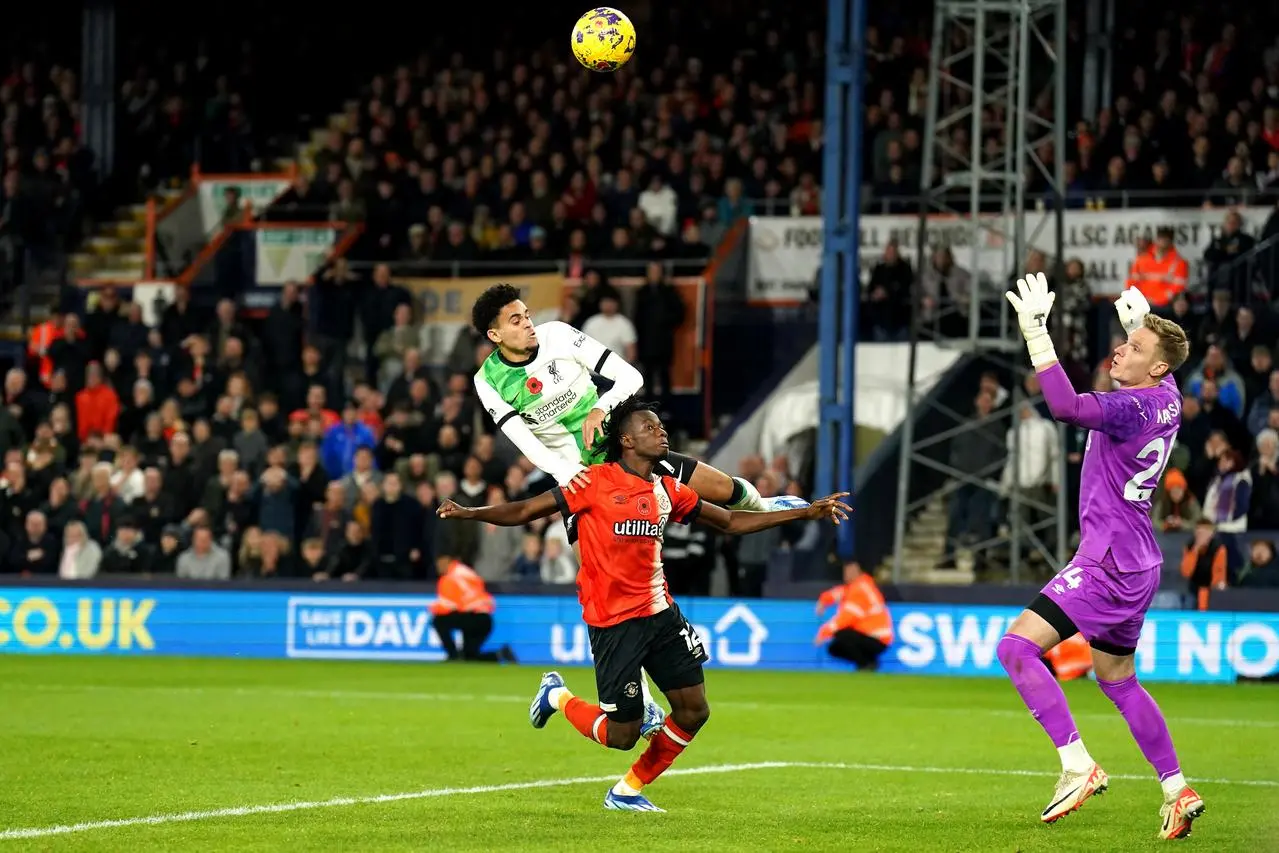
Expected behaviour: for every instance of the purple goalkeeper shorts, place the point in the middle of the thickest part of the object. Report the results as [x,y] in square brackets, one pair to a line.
[1107,606]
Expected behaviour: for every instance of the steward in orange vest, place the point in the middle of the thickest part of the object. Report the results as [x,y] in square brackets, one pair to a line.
[1160,272]
[861,629]
[42,339]
[463,605]
[1071,658]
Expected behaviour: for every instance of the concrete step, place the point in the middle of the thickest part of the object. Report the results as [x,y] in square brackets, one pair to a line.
[116,274]
[928,527]
[103,245]
[128,260]
[948,577]
[918,542]
[132,213]
[84,262]
[123,229]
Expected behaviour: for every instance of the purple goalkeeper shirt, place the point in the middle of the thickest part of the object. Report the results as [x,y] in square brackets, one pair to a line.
[1131,437]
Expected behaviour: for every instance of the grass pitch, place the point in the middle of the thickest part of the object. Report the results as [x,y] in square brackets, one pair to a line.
[162,754]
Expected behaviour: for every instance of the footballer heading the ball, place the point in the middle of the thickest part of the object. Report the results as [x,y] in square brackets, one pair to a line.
[603,39]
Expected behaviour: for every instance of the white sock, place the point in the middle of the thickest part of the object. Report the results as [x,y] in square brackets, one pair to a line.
[1075,757]
[644,691]
[624,790]
[556,694]
[1172,785]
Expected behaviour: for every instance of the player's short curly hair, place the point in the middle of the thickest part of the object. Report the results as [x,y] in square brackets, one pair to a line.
[617,423]
[484,313]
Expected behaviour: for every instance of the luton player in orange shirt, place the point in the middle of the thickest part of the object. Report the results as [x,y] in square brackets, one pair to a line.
[633,621]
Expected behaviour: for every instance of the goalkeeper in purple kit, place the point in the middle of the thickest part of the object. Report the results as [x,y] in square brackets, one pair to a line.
[1108,586]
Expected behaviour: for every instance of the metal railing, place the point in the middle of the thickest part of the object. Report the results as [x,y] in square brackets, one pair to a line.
[1076,199]
[470,269]
[1250,277]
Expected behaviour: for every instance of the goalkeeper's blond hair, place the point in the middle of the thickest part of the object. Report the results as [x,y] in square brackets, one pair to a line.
[1172,340]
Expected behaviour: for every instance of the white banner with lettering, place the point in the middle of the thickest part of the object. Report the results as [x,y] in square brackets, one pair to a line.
[257,191]
[786,252]
[292,254]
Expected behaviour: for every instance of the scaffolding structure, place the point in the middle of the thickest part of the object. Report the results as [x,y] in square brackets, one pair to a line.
[995,128]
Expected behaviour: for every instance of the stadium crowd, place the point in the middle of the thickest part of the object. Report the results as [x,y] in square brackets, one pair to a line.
[206,435]
[46,175]
[527,159]
[207,448]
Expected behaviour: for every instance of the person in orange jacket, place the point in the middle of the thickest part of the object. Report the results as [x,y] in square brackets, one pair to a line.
[1070,659]
[1204,563]
[42,338]
[1160,272]
[861,629]
[463,604]
[96,406]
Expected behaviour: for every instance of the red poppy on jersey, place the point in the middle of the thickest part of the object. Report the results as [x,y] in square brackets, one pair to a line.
[621,540]
[534,385]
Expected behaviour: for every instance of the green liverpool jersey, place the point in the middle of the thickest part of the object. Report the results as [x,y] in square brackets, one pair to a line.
[552,393]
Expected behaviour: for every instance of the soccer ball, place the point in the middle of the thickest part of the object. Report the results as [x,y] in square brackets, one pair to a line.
[603,39]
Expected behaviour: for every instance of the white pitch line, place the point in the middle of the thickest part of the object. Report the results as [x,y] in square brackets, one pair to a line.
[430,793]
[411,696]
[335,802]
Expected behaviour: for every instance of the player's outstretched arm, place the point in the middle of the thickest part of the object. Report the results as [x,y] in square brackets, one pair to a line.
[514,514]
[597,358]
[1065,405]
[741,522]
[1033,302]
[562,468]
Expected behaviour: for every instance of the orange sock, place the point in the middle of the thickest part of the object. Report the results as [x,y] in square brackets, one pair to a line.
[662,751]
[587,719]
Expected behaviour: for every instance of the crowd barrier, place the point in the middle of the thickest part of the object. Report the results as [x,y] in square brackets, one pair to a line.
[937,639]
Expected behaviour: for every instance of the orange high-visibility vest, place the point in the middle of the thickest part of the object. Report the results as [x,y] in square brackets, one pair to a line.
[1159,278]
[43,337]
[461,590]
[1071,658]
[861,607]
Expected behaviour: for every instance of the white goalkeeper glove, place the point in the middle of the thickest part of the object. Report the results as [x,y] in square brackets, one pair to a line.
[1132,308]
[1033,302]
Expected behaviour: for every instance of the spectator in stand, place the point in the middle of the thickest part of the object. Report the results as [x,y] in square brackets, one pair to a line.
[1233,242]
[1259,410]
[1256,371]
[1217,370]
[613,329]
[204,560]
[341,441]
[886,297]
[659,313]
[1229,497]
[81,556]
[979,454]
[1261,571]
[1204,563]
[1263,511]
[1176,508]
[1161,272]
[1218,323]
